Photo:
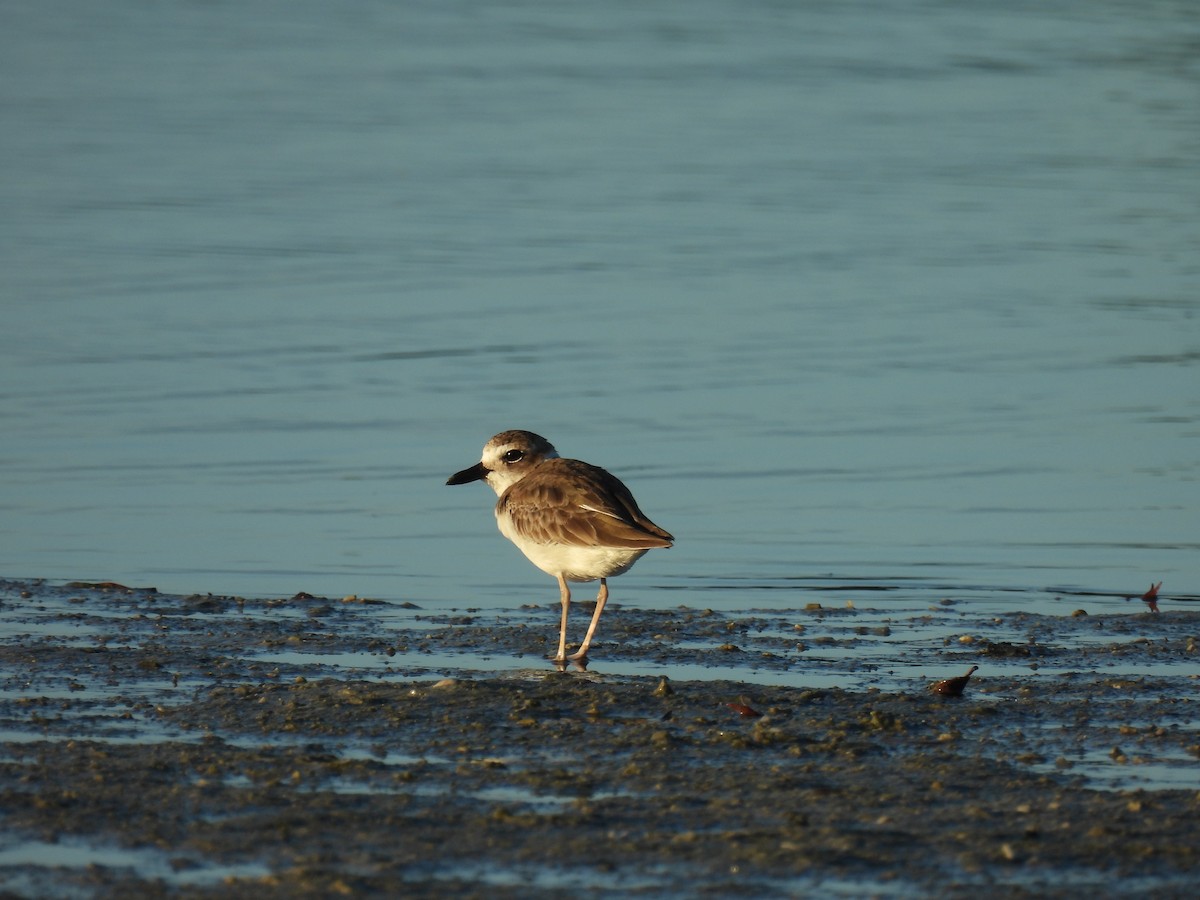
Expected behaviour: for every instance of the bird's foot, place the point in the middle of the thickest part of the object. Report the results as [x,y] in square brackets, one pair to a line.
[579,663]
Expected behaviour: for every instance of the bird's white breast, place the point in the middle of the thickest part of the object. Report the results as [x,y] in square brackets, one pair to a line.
[573,562]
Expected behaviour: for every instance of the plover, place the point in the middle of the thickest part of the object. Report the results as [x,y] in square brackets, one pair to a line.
[572,520]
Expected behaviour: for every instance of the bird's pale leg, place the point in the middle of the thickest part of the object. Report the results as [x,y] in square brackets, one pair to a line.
[562,629]
[601,599]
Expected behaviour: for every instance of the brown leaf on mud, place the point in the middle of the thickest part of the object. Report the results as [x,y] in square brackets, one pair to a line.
[953,687]
[1150,598]
[744,711]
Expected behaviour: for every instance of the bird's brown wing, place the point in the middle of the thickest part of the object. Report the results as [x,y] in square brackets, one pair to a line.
[571,502]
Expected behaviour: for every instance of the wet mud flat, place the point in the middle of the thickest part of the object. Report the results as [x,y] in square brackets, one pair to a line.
[160,745]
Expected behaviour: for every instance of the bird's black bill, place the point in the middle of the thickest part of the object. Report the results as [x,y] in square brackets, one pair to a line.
[476,473]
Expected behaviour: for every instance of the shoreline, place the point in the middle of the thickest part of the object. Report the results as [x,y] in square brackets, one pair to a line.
[213,746]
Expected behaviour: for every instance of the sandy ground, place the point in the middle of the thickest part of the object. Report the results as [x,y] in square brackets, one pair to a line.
[158,745]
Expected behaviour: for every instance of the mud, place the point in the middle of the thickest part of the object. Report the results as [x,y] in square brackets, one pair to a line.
[158,745]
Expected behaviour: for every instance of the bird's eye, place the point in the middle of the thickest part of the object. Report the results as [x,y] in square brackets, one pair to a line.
[513,455]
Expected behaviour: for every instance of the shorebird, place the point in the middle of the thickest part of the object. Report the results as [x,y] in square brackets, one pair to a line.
[572,520]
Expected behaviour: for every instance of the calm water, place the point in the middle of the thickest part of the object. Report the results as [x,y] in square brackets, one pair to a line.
[879,293]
